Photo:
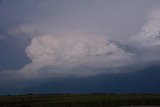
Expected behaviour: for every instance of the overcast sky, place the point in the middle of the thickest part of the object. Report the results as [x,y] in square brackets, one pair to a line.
[47,44]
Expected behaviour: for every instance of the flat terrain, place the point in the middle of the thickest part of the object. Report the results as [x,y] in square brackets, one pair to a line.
[81,100]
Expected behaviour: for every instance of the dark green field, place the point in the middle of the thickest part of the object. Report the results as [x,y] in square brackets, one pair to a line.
[79,100]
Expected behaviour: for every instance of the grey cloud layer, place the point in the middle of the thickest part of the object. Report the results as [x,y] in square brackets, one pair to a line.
[61,45]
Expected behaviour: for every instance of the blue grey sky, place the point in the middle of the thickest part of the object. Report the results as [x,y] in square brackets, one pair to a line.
[45,45]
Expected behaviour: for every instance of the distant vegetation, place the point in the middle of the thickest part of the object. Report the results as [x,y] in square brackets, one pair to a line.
[79,100]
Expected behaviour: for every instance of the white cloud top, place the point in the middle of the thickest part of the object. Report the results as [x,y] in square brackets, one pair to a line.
[150,34]
[74,51]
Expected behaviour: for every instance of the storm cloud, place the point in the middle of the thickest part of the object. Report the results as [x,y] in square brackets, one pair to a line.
[68,40]
[75,52]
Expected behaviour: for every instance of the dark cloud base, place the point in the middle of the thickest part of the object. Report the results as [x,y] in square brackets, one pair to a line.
[144,81]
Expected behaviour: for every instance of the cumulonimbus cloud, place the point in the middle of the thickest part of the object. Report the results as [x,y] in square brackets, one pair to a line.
[150,34]
[89,54]
[86,55]
[69,53]
[147,41]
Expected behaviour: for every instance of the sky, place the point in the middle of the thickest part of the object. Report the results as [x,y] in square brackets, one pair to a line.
[79,46]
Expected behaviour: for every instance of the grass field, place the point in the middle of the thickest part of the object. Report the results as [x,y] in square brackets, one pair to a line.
[79,100]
